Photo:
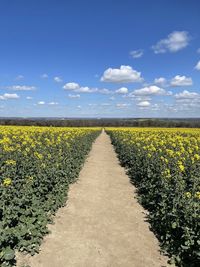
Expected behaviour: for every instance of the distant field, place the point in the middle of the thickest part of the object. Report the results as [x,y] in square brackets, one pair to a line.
[104,122]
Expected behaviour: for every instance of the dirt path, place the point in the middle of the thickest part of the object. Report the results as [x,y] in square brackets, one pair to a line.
[102,224]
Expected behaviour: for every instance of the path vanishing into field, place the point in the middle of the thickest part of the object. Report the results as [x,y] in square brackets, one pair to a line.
[102,225]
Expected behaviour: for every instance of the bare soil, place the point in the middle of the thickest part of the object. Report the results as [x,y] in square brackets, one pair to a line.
[102,224]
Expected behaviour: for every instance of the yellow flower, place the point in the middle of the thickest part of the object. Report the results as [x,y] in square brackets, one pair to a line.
[181,166]
[196,156]
[38,155]
[197,195]
[166,173]
[29,178]
[188,194]
[10,162]
[7,182]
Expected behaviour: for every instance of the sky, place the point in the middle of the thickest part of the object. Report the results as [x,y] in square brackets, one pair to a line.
[92,58]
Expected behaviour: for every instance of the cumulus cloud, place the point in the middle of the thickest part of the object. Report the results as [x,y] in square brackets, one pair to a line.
[75,87]
[44,76]
[57,79]
[187,101]
[74,96]
[160,81]
[86,89]
[181,81]
[29,97]
[137,53]
[197,67]
[144,104]
[174,42]
[51,103]
[8,96]
[149,90]
[104,91]
[155,107]
[124,74]
[122,90]
[40,102]
[21,88]
[140,98]
[71,86]
[187,95]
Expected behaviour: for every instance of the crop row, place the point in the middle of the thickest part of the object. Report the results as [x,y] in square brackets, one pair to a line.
[164,164]
[36,167]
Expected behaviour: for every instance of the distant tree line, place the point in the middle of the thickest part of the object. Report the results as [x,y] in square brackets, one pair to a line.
[104,122]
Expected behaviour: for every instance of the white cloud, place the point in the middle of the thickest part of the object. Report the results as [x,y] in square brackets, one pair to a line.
[112,98]
[104,91]
[122,105]
[71,86]
[144,104]
[124,74]
[181,81]
[122,90]
[44,76]
[51,103]
[155,107]
[21,88]
[57,79]
[40,102]
[92,105]
[8,96]
[140,98]
[19,77]
[105,104]
[197,67]
[160,81]
[86,89]
[29,97]
[75,87]
[187,95]
[174,42]
[137,53]
[74,96]
[149,90]
[187,101]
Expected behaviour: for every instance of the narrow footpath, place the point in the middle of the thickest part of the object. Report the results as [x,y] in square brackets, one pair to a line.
[102,224]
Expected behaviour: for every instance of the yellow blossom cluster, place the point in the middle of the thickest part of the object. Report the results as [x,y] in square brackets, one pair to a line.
[177,149]
[30,144]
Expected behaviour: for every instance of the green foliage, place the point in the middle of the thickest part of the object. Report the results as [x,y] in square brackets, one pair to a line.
[36,167]
[165,168]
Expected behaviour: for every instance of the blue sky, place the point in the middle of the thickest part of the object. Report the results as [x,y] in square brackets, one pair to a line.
[121,58]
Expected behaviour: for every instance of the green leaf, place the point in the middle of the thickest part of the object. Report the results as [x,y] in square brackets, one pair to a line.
[174,225]
[9,254]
